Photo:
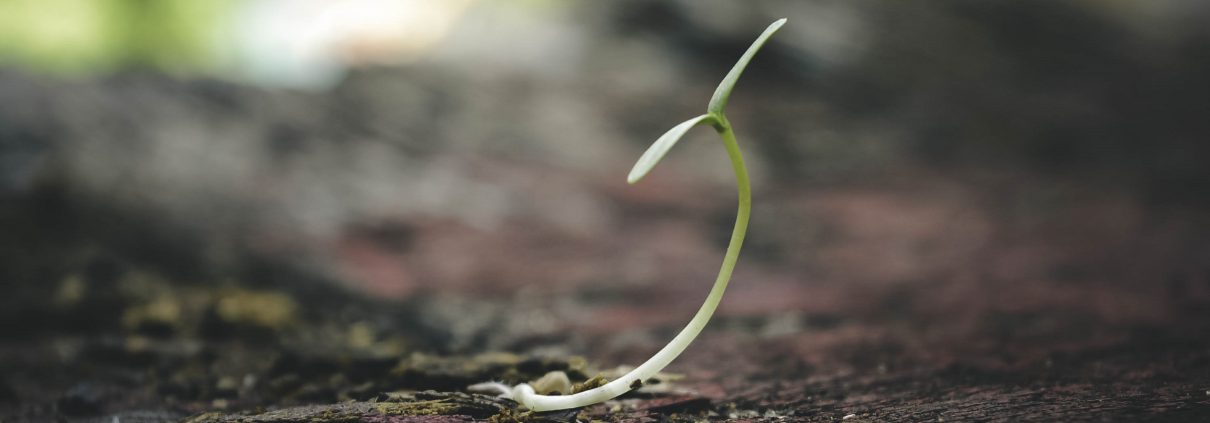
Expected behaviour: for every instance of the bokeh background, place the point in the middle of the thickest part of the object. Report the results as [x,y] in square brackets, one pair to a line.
[222,205]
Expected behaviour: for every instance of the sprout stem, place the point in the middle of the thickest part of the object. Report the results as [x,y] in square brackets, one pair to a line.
[714,117]
[525,394]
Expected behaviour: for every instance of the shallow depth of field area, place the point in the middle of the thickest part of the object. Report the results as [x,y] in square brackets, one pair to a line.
[305,211]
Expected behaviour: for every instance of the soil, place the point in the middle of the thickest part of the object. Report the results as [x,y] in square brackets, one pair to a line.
[997,319]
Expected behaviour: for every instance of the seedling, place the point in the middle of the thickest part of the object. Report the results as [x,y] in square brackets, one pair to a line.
[714,117]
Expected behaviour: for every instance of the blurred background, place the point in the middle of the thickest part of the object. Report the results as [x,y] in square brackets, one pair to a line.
[222,205]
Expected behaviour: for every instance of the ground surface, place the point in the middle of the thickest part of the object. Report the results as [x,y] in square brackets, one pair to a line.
[1007,327]
[887,364]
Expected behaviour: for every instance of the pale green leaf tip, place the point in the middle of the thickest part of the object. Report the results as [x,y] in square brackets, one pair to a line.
[634,177]
[719,100]
[660,147]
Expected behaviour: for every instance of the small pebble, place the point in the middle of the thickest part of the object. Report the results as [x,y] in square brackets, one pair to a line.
[848,416]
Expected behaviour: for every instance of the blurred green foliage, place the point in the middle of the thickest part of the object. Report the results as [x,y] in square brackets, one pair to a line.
[79,37]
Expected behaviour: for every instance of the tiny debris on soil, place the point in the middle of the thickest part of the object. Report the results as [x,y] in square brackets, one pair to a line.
[426,406]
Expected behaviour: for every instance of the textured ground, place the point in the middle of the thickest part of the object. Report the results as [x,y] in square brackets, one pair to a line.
[1007,325]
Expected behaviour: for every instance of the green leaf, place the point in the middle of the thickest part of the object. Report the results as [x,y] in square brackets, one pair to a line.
[723,92]
[660,147]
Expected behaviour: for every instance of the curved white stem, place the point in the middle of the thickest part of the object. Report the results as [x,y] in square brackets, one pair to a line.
[525,394]
[714,116]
